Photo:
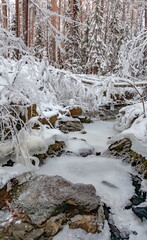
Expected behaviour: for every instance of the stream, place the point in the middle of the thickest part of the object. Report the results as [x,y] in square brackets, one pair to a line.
[121,190]
[113,182]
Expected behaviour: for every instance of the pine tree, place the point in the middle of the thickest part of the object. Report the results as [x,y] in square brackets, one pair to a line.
[115,37]
[97,49]
[84,48]
[72,49]
[39,44]
[85,41]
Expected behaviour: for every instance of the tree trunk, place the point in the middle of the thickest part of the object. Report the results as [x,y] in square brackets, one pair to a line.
[17,18]
[132,17]
[59,28]
[4,14]
[54,24]
[17,10]
[146,14]
[25,20]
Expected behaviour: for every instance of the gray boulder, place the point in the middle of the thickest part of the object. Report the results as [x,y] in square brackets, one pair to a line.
[69,124]
[45,196]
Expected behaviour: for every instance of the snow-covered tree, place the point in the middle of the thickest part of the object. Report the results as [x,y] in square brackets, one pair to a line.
[39,44]
[97,49]
[115,37]
[133,57]
[85,42]
[72,49]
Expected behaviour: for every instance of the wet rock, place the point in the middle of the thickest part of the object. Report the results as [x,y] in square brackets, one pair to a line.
[141,212]
[83,132]
[55,148]
[136,200]
[45,196]
[116,234]
[70,125]
[85,152]
[139,196]
[136,182]
[85,119]
[9,163]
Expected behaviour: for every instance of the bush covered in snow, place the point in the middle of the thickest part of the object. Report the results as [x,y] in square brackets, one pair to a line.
[132,123]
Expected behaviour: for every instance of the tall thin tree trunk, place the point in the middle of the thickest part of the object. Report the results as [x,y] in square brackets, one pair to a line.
[106,22]
[81,11]
[17,18]
[33,25]
[54,23]
[124,11]
[146,14]
[59,27]
[132,16]
[25,20]
[17,10]
[4,14]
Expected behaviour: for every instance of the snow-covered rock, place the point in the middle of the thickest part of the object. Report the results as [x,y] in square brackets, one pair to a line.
[44,196]
[78,147]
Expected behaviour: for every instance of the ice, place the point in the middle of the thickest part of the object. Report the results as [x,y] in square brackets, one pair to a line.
[97,135]
[5,216]
[7,173]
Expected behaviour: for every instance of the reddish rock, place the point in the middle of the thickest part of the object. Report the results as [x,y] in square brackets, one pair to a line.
[75,112]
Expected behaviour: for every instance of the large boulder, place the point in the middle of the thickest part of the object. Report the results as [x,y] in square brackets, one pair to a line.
[45,196]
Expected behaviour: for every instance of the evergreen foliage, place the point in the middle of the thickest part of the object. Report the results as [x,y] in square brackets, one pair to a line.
[115,38]
[97,49]
[72,45]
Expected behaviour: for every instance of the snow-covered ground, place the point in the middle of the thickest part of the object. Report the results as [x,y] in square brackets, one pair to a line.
[99,171]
